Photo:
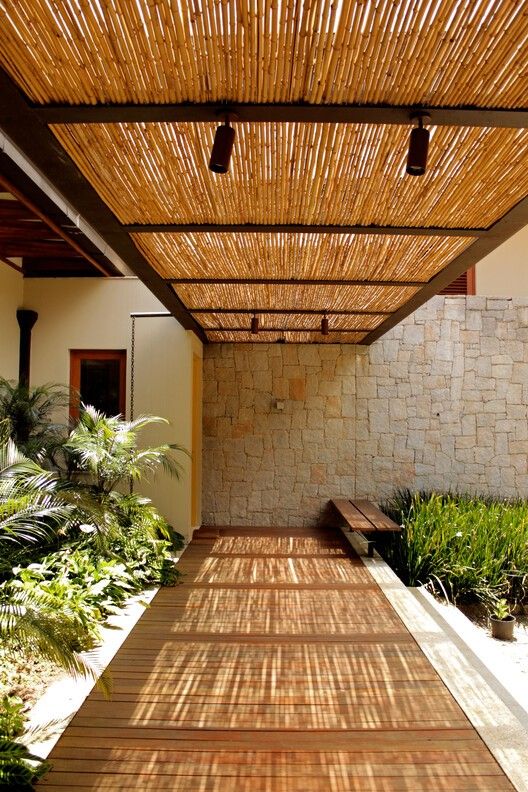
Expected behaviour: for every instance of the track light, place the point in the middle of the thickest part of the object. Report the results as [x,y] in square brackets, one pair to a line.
[222,147]
[254,325]
[325,326]
[418,146]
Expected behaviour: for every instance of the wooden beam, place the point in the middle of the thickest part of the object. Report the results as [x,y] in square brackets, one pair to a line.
[10,264]
[293,282]
[20,122]
[15,247]
[281,113]
[37,267]
[301,228]
[299,311]
[510,223]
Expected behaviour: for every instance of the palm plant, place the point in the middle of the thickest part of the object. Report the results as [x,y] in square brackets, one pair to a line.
[31,501]
[107,449]
[28,413]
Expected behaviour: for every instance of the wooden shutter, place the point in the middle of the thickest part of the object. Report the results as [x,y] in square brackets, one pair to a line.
[464,284]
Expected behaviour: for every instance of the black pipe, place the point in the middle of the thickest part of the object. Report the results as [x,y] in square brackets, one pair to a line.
[26,319]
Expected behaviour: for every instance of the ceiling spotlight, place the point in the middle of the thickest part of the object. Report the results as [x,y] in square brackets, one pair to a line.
[418,146]
[222,147]
[254,325]
[325,326]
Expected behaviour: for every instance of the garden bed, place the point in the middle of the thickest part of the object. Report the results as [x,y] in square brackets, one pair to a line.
[74,549]
[469,550]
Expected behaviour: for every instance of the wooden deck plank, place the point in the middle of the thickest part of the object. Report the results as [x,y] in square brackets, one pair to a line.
[278,666]
[218,783]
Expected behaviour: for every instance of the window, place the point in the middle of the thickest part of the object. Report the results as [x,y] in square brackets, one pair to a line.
[99,376]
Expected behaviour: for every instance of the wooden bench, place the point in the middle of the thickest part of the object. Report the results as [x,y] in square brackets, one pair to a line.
[363,517]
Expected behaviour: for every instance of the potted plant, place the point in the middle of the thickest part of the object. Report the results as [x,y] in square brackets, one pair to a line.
[502,621]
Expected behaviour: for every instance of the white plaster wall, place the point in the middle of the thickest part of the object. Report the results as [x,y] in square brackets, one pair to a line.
[504,272]
[11,298]
[81,313]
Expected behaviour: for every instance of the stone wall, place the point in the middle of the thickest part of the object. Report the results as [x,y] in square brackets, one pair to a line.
[439,402]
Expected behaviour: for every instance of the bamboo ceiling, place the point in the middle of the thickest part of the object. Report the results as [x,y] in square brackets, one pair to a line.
[300,173]
[305,256]
[440,53]
[363,241]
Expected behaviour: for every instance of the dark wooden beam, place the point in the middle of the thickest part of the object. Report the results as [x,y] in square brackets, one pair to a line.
[21,123]
[35,267]
[300,311]
[297,228]
[281,113]
[10,264]
[16,246]
[28,229]
[292,282]
[510,223]
[14,211]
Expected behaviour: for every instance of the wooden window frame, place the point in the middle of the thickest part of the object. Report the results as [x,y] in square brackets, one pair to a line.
[76,356]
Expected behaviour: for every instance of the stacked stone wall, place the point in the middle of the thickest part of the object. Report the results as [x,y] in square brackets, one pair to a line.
[439,402]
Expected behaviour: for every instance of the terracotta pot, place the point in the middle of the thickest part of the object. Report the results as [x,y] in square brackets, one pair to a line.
[503,628]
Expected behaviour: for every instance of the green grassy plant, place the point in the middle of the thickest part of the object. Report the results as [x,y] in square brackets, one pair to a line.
[474,549]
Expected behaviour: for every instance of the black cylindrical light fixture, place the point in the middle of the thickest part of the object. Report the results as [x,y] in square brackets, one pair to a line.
[222,148]
[418,147]
[254,326]
[325,325]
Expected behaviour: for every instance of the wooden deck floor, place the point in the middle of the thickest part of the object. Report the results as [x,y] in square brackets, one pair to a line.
[278,666]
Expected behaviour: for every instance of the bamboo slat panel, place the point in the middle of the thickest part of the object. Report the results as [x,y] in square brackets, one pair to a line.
[261,686]
[453,52]
[283,255]
[297,321]
[273,337]
[301,173]
[291,297]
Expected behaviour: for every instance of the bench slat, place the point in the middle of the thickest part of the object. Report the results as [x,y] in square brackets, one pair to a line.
[375,516]
[356,520]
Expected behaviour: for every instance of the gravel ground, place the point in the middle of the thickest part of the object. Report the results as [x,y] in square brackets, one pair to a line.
[514,653]
[25,677]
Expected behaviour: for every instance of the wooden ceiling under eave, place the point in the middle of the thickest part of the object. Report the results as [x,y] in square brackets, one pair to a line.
[43,239]
[316,214]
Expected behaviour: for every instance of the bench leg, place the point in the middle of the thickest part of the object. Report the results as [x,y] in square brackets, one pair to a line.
[371,544]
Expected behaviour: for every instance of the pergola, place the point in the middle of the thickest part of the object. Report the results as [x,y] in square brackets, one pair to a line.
[117,103]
